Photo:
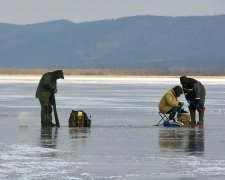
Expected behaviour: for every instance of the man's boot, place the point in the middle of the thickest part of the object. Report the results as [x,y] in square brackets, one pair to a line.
[47,124]
[193,121]
[201,119]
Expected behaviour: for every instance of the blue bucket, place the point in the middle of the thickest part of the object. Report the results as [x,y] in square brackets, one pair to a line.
[170,123]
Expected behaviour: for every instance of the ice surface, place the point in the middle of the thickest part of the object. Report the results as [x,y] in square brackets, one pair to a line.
[122,142]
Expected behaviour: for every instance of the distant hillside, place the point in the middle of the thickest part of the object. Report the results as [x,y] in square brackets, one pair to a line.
[132,42]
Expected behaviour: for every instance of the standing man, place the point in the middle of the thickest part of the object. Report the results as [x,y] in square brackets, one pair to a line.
[194,93]
[169,103]
[45,91]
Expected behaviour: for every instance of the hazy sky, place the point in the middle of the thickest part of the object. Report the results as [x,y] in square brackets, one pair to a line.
[33,11]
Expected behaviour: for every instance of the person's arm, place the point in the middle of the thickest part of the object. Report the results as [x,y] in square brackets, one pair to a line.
[49,84]
[170,100]
[196,89]
[186,94]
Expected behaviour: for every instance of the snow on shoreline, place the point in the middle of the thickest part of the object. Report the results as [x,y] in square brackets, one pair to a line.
[111,79]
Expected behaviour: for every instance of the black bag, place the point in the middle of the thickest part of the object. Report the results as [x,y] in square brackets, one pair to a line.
[79,119]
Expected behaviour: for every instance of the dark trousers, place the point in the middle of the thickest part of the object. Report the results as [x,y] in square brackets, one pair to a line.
[201,113]
[173,112]
[46,112]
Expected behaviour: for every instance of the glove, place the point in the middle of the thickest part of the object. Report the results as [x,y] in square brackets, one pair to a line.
[188,99]
[197,106]
[180,103]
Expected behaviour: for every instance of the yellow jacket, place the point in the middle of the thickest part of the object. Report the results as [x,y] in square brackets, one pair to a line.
[168,101]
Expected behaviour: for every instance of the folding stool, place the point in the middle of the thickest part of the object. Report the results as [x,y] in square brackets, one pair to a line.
[164,117]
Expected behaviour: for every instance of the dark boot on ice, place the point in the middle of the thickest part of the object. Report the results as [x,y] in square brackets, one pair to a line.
[47,124]
[201,120]
[193,121]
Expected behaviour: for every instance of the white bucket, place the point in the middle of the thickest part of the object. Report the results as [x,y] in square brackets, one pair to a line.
[23,119]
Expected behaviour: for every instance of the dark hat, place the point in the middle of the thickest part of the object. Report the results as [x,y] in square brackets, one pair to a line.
[58,74]
[178,90]
[183,80]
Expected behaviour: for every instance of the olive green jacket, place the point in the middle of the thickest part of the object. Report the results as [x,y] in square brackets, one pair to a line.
[168,101]
[46,87]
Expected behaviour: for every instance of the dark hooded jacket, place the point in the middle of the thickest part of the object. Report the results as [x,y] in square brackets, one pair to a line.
[194,91]
[48,85]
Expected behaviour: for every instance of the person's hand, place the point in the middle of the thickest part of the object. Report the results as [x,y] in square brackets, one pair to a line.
[55,91]
[180,103]
[197,106]
[188,100]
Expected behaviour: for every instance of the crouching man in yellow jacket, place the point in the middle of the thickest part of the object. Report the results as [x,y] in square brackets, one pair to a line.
[169,103]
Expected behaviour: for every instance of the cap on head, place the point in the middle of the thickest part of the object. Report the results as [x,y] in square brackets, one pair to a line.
[59,74]
[178,90]
[183,80]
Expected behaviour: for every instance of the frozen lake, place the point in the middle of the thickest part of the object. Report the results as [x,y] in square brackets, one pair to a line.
[122,142]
